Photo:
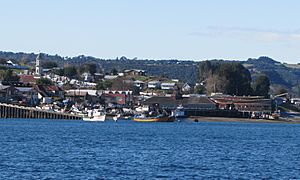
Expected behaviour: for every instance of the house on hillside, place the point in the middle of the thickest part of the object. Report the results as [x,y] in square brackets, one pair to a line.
[87,77]
[11,65]
[139,84]
[48,94]
[186,88]
[134,72]
[7,93]
[28,95]
[168,86]
[88,95]
[154,84]
[110,77]
[121,98]
[27,79]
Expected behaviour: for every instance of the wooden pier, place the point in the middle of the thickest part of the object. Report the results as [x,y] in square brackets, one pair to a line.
[14,111]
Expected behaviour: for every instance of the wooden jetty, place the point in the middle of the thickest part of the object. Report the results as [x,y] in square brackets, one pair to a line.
[15,111]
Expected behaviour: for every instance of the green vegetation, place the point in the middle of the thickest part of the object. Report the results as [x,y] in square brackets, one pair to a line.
[142,78]
[199,89]
[228,78]
[280,74]
[114,71]
[44,81]
[8,76]
[103,85]
[49,64]
[261,86]
[88,68]
[70,71]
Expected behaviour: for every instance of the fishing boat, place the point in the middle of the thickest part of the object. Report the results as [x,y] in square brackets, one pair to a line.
[95,115]
[154,115]
[159,118]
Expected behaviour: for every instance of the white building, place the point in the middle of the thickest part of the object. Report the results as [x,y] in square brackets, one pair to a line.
[168,86]
[38,65]
[154,84]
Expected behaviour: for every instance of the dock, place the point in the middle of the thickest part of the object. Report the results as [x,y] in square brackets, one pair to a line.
[15,111]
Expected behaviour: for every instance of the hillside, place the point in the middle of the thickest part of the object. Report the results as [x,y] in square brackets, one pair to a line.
[280,74]
[186,71]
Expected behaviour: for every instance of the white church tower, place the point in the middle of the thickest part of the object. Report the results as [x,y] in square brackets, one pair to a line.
[38,65]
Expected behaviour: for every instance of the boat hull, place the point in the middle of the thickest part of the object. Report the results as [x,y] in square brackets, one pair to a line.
[154,119]
[95,119]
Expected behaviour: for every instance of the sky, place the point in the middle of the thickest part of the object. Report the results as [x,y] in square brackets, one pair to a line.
[153,29]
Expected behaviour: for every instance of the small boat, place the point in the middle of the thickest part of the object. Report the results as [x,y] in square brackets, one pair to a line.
[117,117]
[155,114]
[95,115]
[158,118]
[179,112]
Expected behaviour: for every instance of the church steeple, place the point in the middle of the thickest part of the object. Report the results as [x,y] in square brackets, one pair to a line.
[38,65]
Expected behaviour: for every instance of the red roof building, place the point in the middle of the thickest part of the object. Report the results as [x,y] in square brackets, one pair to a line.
[27,79]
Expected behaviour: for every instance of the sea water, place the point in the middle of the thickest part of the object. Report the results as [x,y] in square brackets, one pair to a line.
[63,149]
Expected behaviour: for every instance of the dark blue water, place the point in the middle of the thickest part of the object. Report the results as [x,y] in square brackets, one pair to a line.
[45,149]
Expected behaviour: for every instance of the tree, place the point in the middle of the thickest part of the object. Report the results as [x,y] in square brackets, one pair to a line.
[59,72]
[9,76]
[44,81]
[70,71]
[199,89]
[114,71]
[103,85]
[91,68]
[261,86]
[225,77]
[216,83]
[3,61]
[49,64]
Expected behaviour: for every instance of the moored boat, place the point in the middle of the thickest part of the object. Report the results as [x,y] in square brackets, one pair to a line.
[154,119]
[155,114]
[179,112]
[95,115]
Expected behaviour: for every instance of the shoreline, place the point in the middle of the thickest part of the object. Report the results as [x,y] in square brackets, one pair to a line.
[246,120]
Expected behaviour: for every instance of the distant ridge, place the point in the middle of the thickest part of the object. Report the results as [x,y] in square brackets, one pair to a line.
[280,74]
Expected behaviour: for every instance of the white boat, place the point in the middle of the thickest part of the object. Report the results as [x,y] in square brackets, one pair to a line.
[117,117]
[179,112]
[95,115]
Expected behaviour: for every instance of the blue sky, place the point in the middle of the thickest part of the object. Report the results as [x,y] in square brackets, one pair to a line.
[153,29]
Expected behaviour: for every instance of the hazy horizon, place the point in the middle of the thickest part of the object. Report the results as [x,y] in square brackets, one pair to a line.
[189,30]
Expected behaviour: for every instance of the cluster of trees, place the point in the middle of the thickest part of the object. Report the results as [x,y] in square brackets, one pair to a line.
[76,71]
[44,82]
[231,78]
[8,76]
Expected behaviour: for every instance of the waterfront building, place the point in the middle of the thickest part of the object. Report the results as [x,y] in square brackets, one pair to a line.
[134,72]
[191,103]
[249,104]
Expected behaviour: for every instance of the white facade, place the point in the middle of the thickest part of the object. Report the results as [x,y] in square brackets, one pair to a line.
[154,85]
[38,66]
[167,86]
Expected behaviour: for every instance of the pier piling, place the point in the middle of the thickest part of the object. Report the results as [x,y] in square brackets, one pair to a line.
[15,111]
